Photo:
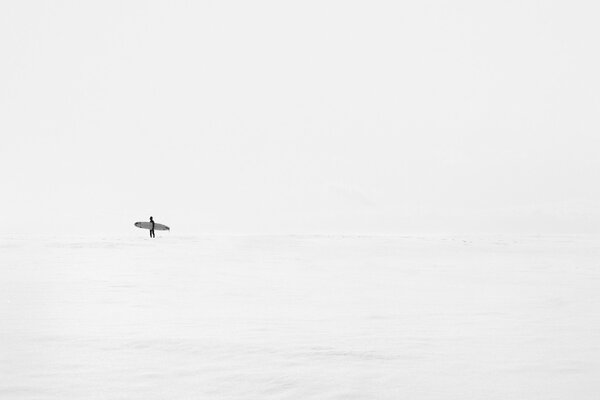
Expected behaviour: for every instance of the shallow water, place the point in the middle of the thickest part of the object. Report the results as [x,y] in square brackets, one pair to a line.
[299,317]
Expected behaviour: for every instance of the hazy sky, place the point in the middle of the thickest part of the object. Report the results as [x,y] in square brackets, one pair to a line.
[305,116]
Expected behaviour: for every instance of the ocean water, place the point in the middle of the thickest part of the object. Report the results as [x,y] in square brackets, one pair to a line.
[299,317]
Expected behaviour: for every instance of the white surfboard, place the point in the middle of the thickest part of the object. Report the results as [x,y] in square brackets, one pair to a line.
[148,225]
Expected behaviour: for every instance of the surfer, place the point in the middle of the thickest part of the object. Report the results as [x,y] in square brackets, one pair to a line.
[151,227]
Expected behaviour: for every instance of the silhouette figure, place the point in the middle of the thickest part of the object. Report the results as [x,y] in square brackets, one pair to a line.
[151,227]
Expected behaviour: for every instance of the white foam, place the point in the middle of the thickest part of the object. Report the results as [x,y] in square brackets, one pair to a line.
[323,317]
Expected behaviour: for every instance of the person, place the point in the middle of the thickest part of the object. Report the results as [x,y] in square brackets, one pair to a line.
[151,227]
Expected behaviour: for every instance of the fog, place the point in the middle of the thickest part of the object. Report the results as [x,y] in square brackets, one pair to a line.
[313,116]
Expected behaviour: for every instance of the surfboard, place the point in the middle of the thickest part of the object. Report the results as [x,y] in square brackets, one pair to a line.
[148,225]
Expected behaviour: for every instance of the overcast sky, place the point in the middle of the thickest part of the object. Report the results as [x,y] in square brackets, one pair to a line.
[304,116]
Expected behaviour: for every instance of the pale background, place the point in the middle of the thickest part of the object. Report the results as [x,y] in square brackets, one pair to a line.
[449,117]
[306,116]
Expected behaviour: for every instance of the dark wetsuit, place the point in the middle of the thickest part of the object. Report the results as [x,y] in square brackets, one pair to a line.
[152,228]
